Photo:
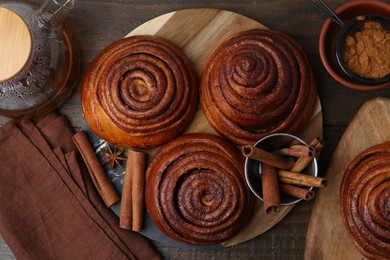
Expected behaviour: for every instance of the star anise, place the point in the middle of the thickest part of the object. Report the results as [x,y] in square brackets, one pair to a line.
[113,156]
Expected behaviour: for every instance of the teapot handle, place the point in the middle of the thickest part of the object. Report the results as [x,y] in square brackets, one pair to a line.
[51,14]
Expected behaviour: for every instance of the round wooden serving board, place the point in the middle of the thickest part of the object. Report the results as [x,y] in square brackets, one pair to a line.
[199,32]
[327,237]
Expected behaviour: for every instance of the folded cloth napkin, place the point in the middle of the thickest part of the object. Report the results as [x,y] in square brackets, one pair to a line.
[50,208]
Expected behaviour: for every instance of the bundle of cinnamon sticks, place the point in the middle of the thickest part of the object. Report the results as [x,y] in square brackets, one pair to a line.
[132,198]
[282,171]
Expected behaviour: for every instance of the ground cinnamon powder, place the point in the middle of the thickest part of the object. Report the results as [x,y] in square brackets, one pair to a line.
[367,52]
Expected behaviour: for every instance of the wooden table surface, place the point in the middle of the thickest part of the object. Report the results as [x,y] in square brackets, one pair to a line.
[97,23]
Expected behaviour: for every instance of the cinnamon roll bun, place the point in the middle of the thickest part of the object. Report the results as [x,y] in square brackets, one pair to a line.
[196,191]
[365,201]
[256,83]
[140,92]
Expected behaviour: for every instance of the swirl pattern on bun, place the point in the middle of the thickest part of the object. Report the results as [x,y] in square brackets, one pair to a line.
[256,83]
[196,191]
[140,92]
[365,201]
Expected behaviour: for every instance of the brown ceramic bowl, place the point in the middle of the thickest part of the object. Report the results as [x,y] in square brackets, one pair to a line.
[330,31]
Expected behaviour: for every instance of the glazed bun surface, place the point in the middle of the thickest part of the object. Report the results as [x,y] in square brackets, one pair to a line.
[141,91]
[196,191]
[365,201]
[256,83]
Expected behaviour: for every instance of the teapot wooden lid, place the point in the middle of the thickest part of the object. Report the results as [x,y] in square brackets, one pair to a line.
[15,44]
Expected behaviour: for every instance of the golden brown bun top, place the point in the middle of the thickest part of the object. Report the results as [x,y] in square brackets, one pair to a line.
[196,191]
[364,201]
[140,91]
[256,83]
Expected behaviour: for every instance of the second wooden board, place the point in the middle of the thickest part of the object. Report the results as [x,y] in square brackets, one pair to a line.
[327,237]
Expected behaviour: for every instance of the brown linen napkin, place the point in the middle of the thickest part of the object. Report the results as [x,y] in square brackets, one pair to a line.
[49,206]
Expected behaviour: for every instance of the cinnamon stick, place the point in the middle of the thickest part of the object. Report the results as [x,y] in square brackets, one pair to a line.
[303,162]
[297,192]
[96,170]
[132,205]
[267,157]
[301,179]
[295,151]
[317,143]
[270,186]
[294,182]
[126,209]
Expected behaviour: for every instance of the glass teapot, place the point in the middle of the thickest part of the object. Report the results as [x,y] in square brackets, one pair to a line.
[38,61]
